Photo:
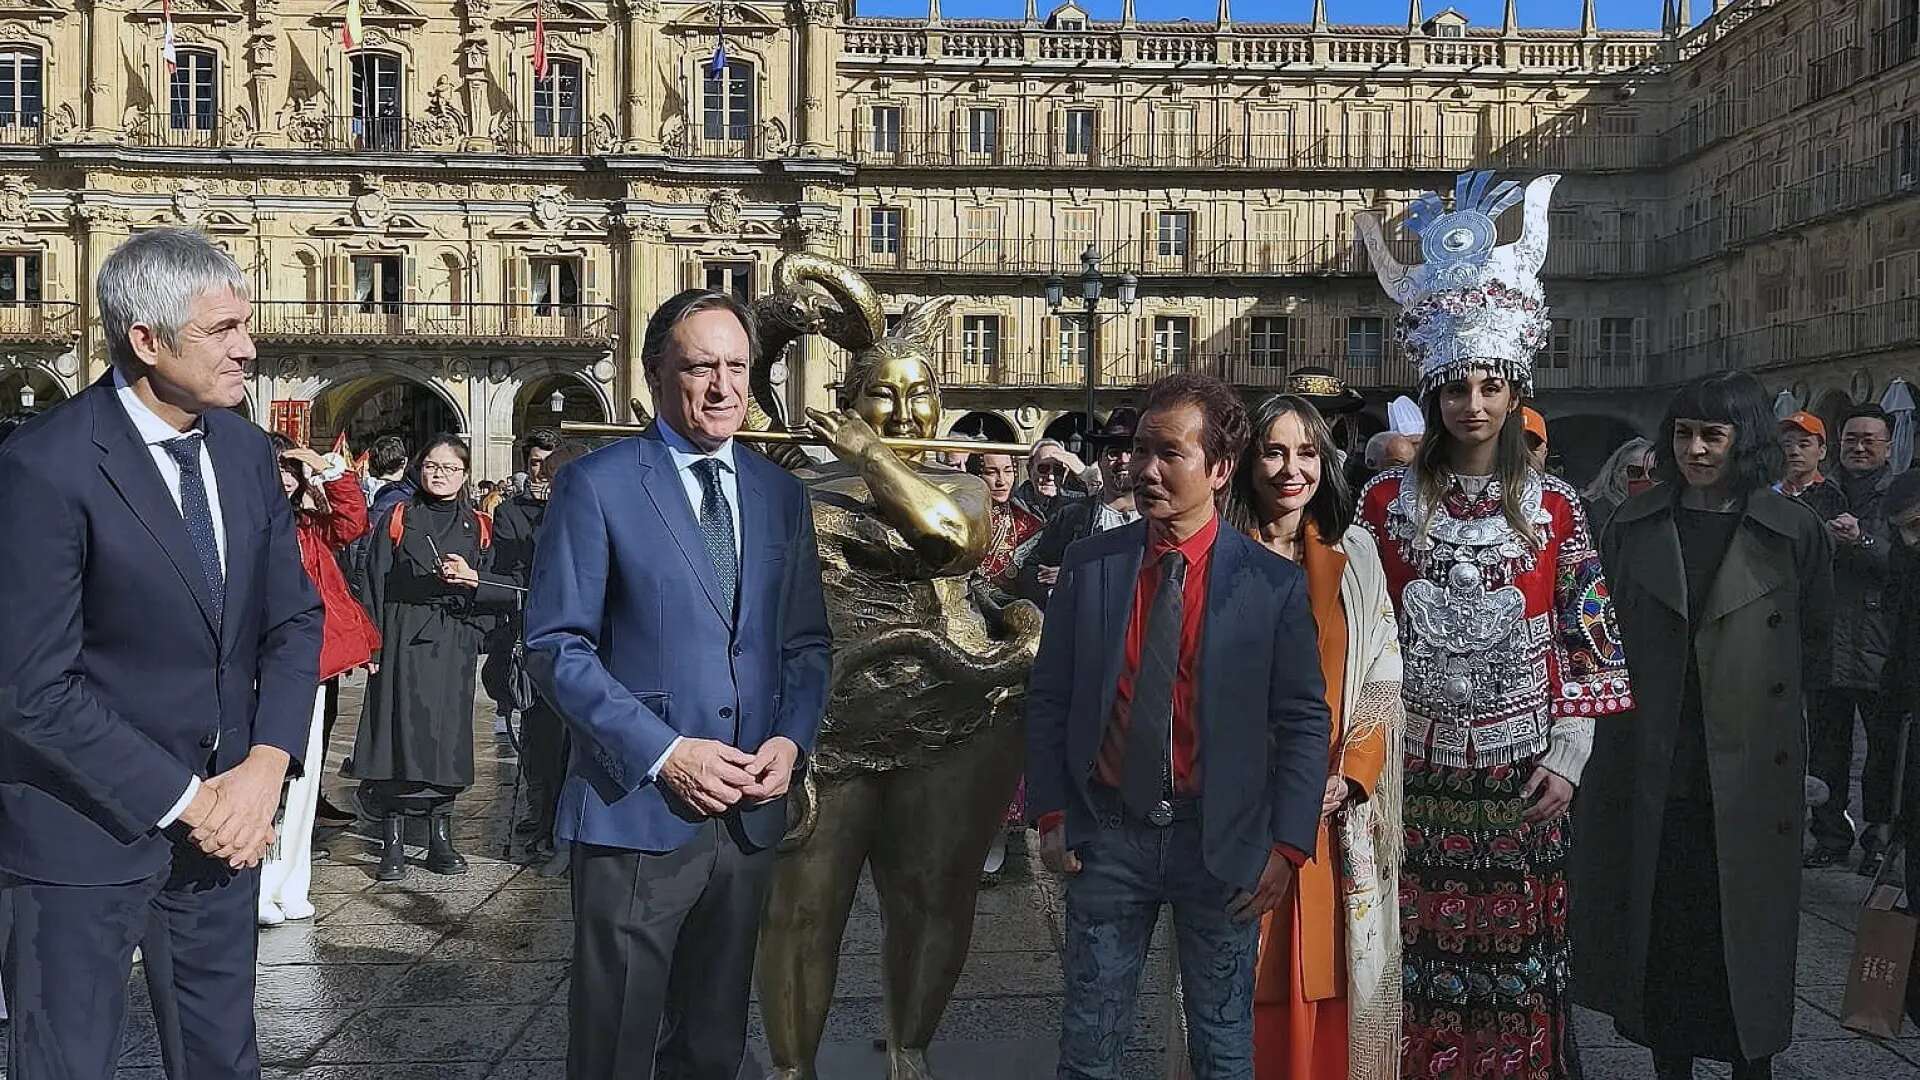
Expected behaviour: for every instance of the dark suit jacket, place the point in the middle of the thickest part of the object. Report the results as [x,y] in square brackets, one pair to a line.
[1262,702]
[121,685]
[632,643]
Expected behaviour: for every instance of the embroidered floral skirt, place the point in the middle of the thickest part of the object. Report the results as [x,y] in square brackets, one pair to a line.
[1483,911]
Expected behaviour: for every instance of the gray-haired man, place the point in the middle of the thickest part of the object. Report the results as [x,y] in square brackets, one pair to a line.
[159,647]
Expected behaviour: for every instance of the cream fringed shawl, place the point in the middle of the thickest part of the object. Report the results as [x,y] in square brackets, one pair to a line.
[1370,835]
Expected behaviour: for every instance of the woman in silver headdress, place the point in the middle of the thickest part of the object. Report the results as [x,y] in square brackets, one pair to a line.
[1510,651]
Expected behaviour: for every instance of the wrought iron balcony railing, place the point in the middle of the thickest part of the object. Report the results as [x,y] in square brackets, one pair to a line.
[22,129]
[1874,328]
[435,321]
[1896,43]
[163,127]
[50,321]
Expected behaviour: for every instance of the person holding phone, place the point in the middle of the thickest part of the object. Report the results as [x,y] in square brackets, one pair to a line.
[413,752]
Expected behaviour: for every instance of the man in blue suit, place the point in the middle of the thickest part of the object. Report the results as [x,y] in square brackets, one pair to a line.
[1176,741]
[159,648]
[677,624]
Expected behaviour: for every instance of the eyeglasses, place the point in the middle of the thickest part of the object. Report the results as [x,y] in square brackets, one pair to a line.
[1861,440]
[434,468]
[1637,472]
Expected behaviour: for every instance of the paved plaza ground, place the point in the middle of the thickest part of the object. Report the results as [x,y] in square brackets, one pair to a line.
[460,978]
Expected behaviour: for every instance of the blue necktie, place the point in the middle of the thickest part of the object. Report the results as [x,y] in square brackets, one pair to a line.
[1146,774]
[197,512]
[716,528]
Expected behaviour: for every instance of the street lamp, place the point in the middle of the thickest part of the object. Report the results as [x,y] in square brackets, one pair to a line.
[1092,287]
[26,399]
[558,402]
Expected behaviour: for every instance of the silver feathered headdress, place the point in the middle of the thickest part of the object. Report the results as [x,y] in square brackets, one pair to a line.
[1472,304]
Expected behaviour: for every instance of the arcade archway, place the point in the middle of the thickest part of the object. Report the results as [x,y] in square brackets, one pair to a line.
[535,405]
[985,425]
[370,406]
[1579,445]
[28,391]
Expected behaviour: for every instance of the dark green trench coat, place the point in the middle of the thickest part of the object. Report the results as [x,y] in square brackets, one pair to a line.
[1763,643]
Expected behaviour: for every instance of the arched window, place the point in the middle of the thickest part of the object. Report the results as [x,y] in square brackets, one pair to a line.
[21,87]
[379,113]
[727,112]
[557,101]
[193,92]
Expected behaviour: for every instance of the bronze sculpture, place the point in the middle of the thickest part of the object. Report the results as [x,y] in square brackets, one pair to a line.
[923,741]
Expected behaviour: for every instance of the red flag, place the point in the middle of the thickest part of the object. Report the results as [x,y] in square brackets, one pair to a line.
[364,462]
[340,446]
[539,42]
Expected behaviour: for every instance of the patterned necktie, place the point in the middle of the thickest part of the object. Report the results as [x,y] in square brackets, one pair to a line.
[1147,773]
[197,512]
[716,527]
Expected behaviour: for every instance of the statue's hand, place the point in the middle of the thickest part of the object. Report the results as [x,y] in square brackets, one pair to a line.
[849,437]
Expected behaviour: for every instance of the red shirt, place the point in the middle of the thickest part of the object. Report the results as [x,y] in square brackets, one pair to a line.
[1198,549]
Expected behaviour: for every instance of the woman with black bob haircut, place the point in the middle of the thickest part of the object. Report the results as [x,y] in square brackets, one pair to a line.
[1693,813]
[413,752]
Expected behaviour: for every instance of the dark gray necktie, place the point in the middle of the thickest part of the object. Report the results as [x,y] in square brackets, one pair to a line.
[716,527]
[1147,775]
[197,512]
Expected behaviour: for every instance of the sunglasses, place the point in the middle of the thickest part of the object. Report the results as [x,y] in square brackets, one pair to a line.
[1638,472]
[1051,470]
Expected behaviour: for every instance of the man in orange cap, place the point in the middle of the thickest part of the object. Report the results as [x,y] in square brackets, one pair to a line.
[1535,426]
[1803,441]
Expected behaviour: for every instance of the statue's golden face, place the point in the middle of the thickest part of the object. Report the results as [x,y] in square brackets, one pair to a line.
[899,398]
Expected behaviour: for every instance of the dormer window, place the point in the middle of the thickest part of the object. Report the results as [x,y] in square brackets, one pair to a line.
[1450,30]
[1447,24]
[1067,16]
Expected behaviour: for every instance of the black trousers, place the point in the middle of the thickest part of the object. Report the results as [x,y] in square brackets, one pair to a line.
[663,950]
[543,761]
[1830,748]
[68,949]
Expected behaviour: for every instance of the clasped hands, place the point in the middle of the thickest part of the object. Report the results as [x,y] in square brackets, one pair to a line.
[713,777]
[231,816]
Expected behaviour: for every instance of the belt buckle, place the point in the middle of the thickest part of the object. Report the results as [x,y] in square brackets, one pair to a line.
[1161,815]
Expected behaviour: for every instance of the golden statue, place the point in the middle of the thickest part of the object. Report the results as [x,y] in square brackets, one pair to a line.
[923,739]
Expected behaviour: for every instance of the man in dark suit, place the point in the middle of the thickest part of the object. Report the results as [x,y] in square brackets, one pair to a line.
[678,626]
[160,645]
[1176,741]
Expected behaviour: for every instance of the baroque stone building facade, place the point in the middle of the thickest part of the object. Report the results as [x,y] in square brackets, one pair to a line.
[437,238]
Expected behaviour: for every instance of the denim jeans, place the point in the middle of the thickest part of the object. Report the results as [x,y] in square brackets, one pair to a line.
[1126,873]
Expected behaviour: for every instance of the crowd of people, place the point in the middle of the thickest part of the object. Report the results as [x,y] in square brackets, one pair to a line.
[1420,745]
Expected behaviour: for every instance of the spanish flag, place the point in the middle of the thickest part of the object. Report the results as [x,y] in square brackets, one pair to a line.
[351,33]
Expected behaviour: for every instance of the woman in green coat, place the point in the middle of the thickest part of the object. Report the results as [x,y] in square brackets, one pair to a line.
[1687,874]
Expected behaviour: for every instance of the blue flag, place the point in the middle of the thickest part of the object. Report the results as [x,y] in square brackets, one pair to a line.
[718,65]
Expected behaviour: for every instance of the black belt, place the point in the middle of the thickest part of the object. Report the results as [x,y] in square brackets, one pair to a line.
[1164,813]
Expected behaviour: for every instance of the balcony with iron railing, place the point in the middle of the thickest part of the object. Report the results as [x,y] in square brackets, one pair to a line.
[1890,174]
[22,129]
[165,128]
[544,138]
[42,321]
[1895,43]
[1875,328]
[727,144]
[433,322]
[1834,72]
[1169,151]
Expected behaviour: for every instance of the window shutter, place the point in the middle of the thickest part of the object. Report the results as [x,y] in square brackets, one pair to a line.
[1013,357]
[1639,338]
[1049,339]
[589,277]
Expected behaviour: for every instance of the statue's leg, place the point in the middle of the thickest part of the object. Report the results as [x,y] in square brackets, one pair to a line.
[807,907]
[926,868]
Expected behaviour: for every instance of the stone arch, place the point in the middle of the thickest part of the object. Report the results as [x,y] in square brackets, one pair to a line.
[21,374]
[339,390]
[992,425]
[527,401]
[1579,443]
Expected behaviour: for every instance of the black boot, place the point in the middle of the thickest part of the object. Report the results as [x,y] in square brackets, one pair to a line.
[1672,1068]
[1758,1069]
[393,849]
[441,858]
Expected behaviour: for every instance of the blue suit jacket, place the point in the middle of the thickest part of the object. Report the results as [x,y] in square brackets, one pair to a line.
[120,684]
[1262,700]
[633,644]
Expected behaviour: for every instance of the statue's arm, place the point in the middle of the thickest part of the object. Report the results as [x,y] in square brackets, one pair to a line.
[945,526]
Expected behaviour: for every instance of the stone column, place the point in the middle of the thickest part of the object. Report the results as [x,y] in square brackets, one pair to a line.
[102,228]
[105,89]
[817,49]
[639,111]
[633,233]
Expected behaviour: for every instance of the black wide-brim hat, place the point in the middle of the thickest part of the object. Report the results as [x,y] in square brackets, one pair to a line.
[1119,428]
[1324,391]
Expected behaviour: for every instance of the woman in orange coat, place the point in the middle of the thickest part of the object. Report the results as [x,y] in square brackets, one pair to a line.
[1327,988]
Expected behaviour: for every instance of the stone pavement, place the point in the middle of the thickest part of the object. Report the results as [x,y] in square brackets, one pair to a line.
[465,977]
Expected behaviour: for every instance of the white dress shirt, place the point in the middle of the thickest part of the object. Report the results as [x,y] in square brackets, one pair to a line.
[154,431]
[685,457]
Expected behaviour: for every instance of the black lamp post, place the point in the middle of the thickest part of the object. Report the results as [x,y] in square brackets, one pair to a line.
[1092,286]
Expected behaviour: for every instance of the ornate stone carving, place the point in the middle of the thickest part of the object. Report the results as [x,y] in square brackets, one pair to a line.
[550,207]
[304,117]
[261,50]
[14,193]
[603,370]
[498,369]
[445,122]
[371,209]
[602,136]
[773,137]
[473,56]
[290,367]
[189,202]
[459,370]
[62,123]
[723,211]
